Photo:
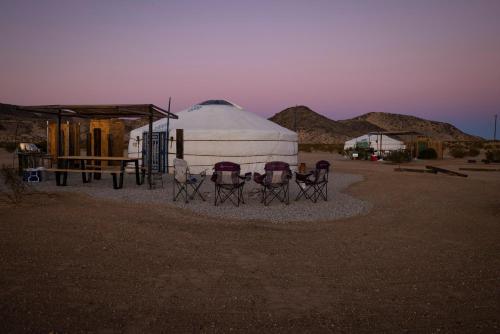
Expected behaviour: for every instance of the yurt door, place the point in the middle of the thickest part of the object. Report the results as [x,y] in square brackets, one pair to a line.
[159,151]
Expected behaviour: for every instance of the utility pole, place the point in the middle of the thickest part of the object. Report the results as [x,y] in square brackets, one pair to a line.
[495,129]
[295,119]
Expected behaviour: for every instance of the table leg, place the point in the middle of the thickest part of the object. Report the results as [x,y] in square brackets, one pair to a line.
[117,183]
[97,163]
[84,174]
[64,178]
[138,180]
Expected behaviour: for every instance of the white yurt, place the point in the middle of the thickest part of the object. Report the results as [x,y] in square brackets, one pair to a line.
[217,130]
[379,142]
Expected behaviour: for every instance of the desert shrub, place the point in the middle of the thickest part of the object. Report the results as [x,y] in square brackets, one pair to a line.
[398,156]
[8,146]
[428,154]
[458,152]
[477,145]
[493,155]
[305,148]
[322,148]
[15,187]
[473,152]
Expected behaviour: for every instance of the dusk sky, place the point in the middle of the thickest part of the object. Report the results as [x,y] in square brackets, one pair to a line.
[434,59]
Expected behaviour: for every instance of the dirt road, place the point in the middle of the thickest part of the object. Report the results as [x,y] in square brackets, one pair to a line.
[426,259]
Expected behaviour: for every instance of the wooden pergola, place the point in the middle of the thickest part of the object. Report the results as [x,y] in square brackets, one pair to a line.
[105,111]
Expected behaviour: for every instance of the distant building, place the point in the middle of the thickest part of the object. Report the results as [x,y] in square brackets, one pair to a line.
[380,143]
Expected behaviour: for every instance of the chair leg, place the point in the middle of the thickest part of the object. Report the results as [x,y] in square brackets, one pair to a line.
[287,193]
[173,190]
[215,201]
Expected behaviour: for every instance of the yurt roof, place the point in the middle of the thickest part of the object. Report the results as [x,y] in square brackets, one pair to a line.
[220,115]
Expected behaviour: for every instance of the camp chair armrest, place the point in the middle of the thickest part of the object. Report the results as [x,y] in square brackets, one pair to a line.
[213,178]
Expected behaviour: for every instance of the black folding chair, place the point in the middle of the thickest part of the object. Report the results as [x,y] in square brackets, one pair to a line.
[183,180]
[274,182]
[314,184]
[228,183]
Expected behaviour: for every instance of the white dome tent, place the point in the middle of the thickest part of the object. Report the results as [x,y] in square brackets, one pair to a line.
[379,142]
[217,130]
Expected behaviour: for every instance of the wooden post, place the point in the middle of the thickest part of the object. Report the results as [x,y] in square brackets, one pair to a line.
[59,139]
[179,143]
[168,133]
[150,148]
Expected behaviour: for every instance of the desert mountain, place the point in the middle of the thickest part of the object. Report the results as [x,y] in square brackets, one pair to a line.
[18,126]
[311,126]
[315,128]
[397,122]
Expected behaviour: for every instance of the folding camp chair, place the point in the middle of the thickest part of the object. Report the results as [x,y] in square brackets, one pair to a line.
[314,184]
[274,182]
[229,183]
[183,180]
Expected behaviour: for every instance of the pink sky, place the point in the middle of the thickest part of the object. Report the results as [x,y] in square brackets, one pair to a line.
[435,59]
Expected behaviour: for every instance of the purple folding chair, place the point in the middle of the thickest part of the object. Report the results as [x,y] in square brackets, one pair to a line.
[274,182]
[314,184]
[228,183]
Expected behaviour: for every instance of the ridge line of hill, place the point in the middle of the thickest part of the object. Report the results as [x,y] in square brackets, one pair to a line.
[315,128]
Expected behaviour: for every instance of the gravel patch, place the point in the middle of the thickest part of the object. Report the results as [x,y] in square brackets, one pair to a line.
[338,206]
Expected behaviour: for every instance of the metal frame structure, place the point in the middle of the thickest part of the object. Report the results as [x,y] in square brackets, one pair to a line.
[103,111]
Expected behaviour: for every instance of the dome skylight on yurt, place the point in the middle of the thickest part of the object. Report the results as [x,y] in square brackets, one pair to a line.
[216,102]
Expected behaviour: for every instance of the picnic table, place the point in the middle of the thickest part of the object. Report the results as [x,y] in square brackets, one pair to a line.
[88,165]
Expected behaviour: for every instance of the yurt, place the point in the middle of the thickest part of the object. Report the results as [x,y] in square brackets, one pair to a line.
[218,130]
[379,142]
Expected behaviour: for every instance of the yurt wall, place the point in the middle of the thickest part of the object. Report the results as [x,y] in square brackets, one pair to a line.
[70,138]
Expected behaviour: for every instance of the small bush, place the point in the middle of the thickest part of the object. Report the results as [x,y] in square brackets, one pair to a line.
[305,148]
[493,155]
[477,145]
[321,148]
[8,146]
[428,154]
[473,152]
[458,152]
[398,156]
[16,188]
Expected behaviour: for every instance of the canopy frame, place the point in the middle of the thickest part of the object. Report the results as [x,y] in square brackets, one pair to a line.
[104,111]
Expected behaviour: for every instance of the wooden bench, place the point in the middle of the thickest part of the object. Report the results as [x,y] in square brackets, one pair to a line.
[117,182]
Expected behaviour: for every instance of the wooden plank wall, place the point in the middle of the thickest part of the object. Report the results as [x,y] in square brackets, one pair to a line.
[70,138]
[113,127]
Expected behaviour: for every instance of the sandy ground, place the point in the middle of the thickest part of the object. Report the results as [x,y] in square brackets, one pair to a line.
[425,259]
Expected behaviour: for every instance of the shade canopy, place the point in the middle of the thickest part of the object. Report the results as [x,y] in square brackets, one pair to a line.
[99,111]
[218,130]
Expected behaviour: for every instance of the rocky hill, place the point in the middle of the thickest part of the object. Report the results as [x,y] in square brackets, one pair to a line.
[312,127]
[397,122]
[315,128]
[18,126]
[21,126]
